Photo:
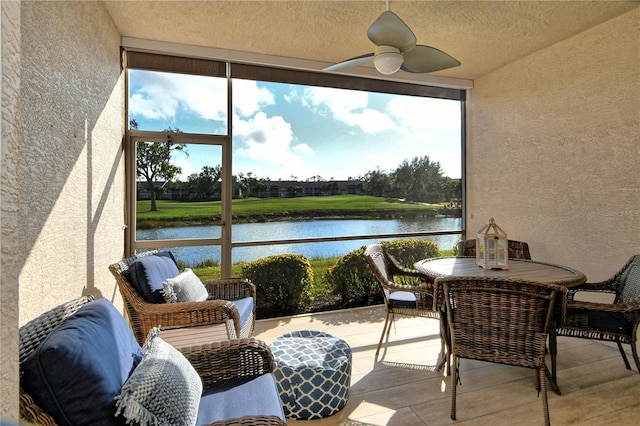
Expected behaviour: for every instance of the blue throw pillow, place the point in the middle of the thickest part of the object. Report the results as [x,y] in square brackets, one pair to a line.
[148,273]
[78,370]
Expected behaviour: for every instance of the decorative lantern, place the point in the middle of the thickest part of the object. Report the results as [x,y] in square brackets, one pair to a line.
[492,247]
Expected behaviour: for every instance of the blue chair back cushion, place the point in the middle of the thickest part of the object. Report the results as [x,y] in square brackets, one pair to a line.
[147,274]
[245,308]
[78,370]
[239,398]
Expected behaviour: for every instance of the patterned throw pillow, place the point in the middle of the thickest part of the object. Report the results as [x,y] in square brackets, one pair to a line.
[186,287]
[164,389]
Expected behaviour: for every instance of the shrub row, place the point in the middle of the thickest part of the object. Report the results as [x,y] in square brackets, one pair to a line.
[284,282]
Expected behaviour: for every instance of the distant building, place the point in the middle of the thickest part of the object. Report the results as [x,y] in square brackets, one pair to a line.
[276,188]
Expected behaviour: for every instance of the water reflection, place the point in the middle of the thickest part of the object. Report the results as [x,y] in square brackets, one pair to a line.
[300,229]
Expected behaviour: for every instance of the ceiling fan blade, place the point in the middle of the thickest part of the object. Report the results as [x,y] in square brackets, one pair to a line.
[424,59]
[390,30]
[353,62]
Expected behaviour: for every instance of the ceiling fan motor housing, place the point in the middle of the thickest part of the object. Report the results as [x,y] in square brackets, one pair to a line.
[387,59]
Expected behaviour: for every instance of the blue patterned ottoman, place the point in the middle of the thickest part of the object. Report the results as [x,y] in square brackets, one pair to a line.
[313,373]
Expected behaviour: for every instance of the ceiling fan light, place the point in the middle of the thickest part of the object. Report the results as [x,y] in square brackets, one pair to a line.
[387,60]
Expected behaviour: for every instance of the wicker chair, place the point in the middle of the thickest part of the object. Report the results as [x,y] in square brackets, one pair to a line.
[399,299]
[613,322]
[218,309]
[517,249]
[499,320]
[216,362]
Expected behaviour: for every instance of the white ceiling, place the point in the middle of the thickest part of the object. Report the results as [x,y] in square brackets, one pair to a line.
[483,35]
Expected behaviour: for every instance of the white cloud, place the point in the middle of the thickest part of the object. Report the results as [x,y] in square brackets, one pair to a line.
[161,95]
[248,98]
[303,149]
[350,107]
[188,168]
[421,116]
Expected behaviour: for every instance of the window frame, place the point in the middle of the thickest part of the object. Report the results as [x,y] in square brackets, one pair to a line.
[230,70]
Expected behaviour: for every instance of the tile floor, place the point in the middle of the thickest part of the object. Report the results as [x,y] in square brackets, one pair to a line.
[402,386]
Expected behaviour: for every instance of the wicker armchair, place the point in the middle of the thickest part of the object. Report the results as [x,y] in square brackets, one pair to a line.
[499,320]
[613,322]
[399,299]
[517,249]
[218,362]
[218,309]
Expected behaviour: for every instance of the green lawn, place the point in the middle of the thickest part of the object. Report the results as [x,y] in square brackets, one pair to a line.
[179,213]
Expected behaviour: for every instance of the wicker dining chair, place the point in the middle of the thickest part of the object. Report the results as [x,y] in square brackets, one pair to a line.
[617,321]
[501,321]
[399,299]
[218,309]
[516,249]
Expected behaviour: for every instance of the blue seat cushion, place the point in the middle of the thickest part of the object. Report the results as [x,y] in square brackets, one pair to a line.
[147,274]
[245,308]
[78,370]
[239,398]
[613,322]
[403,299]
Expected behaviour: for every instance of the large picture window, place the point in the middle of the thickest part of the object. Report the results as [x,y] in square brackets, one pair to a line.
[274,161]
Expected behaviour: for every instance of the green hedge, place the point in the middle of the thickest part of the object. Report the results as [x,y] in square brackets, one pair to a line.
[283,284]
[354,281]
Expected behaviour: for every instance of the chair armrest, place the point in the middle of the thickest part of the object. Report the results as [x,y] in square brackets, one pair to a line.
[178,315]
[605,307]
[424,288]
[400,270]
[607,286]
[230,288]
[190,313]
[230,359]
[403,271]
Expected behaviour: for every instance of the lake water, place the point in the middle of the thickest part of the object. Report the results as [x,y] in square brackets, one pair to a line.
[300,229]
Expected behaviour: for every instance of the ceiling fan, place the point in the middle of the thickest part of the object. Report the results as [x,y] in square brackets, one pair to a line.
[396,49]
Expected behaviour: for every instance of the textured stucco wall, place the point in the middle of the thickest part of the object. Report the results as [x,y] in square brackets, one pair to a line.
[62,210]
[10,40]
[553,149]
[70,174]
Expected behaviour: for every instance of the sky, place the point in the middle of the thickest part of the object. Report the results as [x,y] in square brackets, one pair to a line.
[295,132]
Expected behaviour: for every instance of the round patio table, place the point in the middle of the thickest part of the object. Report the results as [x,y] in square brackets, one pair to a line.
[521,269]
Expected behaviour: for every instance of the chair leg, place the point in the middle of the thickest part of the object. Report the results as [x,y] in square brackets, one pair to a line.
[384,329]
[553,351]
[445,350]
[543,391]
[634,352]
[454,385]
[391,323]
[624,356]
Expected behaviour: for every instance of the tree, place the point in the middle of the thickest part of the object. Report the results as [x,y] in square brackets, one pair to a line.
[419,180]
[153,162]
[206,184]
[376,183]
[453,189]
